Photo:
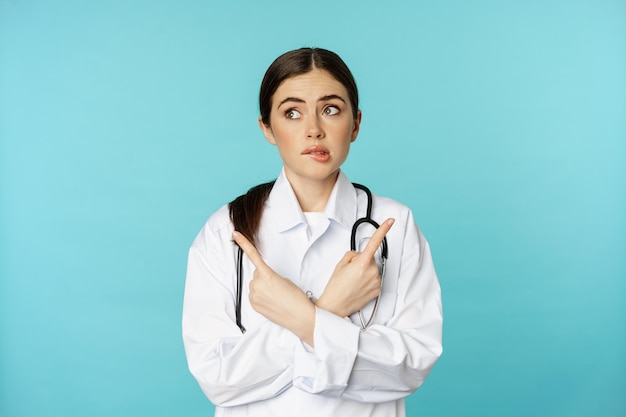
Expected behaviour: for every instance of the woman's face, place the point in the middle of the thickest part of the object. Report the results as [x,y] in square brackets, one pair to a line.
[312,124]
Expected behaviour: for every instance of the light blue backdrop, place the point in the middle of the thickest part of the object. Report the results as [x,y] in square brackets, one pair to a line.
[125,124]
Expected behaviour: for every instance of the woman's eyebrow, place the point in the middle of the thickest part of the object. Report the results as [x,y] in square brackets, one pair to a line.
[331,97]
[299,100]
[292,99]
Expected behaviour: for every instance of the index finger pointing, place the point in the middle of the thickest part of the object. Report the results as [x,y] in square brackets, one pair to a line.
[249,249]
[377,238]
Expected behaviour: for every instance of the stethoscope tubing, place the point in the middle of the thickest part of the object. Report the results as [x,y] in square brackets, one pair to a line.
[383,256]
[364,220]
[239,289]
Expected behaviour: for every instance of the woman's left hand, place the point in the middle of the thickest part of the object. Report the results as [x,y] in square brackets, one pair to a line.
[277,298]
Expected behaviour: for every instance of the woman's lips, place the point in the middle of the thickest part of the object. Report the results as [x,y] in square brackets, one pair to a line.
[317,153]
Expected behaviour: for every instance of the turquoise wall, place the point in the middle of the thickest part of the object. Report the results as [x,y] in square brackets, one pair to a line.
[125,124]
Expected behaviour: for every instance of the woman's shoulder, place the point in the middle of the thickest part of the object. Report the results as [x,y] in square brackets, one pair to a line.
[217,227]
[388,205]
[219,219]
[385,207]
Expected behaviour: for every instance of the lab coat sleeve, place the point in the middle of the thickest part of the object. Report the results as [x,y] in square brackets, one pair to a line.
[388,361]
[231,368]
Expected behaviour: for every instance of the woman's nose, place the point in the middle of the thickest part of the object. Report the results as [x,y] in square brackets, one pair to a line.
[314,129]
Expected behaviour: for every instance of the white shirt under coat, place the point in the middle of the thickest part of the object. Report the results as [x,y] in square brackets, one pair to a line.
[268,371]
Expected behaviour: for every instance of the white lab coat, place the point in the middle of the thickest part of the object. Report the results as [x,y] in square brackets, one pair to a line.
[268,371]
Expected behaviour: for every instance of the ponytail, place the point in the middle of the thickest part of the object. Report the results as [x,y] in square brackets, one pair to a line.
[247,209]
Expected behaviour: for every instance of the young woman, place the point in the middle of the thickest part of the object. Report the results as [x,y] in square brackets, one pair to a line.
[285,332]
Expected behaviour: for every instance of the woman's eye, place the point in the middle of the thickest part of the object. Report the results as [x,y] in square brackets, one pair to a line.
[292,114]
[331,110]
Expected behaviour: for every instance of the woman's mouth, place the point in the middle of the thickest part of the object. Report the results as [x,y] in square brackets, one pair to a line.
[317,153]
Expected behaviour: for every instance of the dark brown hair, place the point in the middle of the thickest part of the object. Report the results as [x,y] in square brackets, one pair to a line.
[247,209]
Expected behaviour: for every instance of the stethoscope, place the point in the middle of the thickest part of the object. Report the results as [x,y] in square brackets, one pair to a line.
[383,261]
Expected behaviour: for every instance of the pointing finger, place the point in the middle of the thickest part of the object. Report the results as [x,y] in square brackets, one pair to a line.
[377,239]
[348,257]
[250,251]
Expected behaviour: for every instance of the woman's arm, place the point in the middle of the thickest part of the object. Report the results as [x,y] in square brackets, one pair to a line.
[355,282]
[231,368]
[389,360]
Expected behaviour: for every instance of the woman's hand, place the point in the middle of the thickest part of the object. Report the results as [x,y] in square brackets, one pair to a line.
[356,278]
[277,298]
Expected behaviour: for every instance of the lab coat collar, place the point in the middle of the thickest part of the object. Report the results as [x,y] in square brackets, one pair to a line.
[286,211]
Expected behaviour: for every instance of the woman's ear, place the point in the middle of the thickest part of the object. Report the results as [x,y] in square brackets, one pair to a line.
[267,131]
[357,126]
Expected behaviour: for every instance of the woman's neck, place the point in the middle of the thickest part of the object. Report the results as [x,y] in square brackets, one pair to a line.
[313,195]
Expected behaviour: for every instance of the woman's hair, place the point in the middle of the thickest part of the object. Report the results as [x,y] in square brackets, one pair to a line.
[301,61]
[247,209]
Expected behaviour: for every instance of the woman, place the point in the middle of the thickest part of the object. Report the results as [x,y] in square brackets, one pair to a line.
[300,345]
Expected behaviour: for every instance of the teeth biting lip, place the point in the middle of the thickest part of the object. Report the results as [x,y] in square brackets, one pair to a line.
[316,150]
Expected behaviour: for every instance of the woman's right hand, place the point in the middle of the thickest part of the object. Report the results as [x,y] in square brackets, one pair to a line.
[356,278]
[276,297]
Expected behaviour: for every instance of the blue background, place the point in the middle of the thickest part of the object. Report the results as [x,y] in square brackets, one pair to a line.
[125,124]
